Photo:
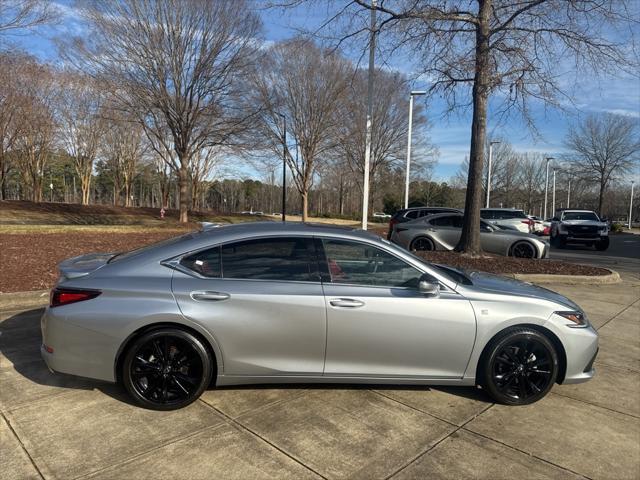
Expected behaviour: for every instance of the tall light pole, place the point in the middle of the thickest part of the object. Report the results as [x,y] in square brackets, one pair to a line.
[546,187]
[367,148]
[491,144]
[569,193]
[284,165]
[553,195]
[406,180]
[631,205]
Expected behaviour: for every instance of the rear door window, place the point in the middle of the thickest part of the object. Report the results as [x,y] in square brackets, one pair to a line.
[446,221]
[278,259]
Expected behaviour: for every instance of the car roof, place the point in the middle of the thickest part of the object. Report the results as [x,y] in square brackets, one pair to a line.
[574,210]
[504,209]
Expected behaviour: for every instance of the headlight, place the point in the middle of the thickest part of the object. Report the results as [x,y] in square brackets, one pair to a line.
[577,319]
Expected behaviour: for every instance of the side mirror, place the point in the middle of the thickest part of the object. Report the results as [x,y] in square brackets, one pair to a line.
[428,285]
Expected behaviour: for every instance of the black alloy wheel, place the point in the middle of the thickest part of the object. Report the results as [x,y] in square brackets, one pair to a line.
[523,250]
[422,244]
[166,369]
[520,368]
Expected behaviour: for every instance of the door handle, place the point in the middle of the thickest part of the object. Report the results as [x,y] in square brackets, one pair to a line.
[209,296]
[346,302]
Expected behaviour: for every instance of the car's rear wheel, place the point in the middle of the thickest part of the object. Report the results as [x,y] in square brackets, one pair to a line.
[422,244]
[166,369]
[519,367]
[523,250]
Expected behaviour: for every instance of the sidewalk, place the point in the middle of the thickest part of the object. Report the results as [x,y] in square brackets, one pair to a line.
[54,426]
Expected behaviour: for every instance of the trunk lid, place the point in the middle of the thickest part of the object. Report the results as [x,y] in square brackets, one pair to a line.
[83,265]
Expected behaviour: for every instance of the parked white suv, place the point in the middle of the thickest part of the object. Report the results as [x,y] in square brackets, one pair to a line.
[580,227]
[508,219]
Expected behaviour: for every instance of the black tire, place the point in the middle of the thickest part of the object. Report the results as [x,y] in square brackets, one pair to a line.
[510,366]
[166,369]
[523,250]
[603,244]
[422,244]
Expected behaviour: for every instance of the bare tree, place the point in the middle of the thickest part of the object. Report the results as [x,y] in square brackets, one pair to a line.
[17,15]
[12,73]
[178,65]
[82,125]
[389,125]
[36,115]
[472,49]
[202,167]
[304,84]
[123,147]
[603,147]
[531,178]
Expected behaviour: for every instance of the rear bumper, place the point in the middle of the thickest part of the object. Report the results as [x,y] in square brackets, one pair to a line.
[76,350]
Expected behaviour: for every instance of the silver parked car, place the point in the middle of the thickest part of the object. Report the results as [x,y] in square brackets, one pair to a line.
[442,232]
[278,302]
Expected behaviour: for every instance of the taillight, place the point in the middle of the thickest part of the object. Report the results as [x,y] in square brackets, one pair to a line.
[65,296]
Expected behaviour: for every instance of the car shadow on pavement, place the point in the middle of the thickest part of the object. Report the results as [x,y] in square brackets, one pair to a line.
[20,340]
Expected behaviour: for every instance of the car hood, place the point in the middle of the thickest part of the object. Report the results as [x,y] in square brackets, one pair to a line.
[84,264]
[491,283]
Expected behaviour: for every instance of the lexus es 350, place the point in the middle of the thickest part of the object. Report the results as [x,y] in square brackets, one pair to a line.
[288,303]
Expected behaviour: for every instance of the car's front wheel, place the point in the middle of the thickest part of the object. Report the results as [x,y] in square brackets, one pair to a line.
[166,369]
[519,366]
[523,250]
[603,244]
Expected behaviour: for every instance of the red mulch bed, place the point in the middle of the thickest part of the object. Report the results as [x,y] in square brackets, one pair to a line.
[28,261]
[498,264]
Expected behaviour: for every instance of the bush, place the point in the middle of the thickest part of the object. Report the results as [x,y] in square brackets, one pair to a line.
[616,227]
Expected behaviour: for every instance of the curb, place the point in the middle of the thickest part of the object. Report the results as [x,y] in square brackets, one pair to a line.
[610,279]
[18,300]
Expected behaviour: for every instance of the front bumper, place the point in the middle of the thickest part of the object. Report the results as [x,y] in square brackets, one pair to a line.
[76,350]
[581,348]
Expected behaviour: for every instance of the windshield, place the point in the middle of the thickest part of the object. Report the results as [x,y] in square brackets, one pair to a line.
[580,216]
[124,255]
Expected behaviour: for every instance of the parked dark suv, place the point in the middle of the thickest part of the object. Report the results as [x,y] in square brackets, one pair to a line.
[408,214]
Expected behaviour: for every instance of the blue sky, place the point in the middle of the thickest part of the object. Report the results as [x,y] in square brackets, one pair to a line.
[450,135]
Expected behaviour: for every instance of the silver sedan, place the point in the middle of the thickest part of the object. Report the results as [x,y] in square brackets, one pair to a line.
[278,302]
[442,232]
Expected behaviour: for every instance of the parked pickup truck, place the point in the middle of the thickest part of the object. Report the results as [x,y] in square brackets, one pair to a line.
[579,227]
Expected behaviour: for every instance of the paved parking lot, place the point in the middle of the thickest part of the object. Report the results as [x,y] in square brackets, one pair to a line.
[54,426]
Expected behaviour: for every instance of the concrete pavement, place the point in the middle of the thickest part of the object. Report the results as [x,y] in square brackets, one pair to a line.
[54,426]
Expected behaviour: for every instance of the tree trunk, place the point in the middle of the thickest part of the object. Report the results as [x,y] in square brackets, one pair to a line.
[601,198]
[305,205]
[470,239]
[183,182]
[85,185]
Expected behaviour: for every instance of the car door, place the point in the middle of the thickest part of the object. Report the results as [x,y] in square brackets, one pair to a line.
[489,240]
[378,324]
[263,302]
[447,229]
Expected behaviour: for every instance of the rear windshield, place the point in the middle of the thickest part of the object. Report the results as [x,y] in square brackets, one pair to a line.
[170,241]
[580,216]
